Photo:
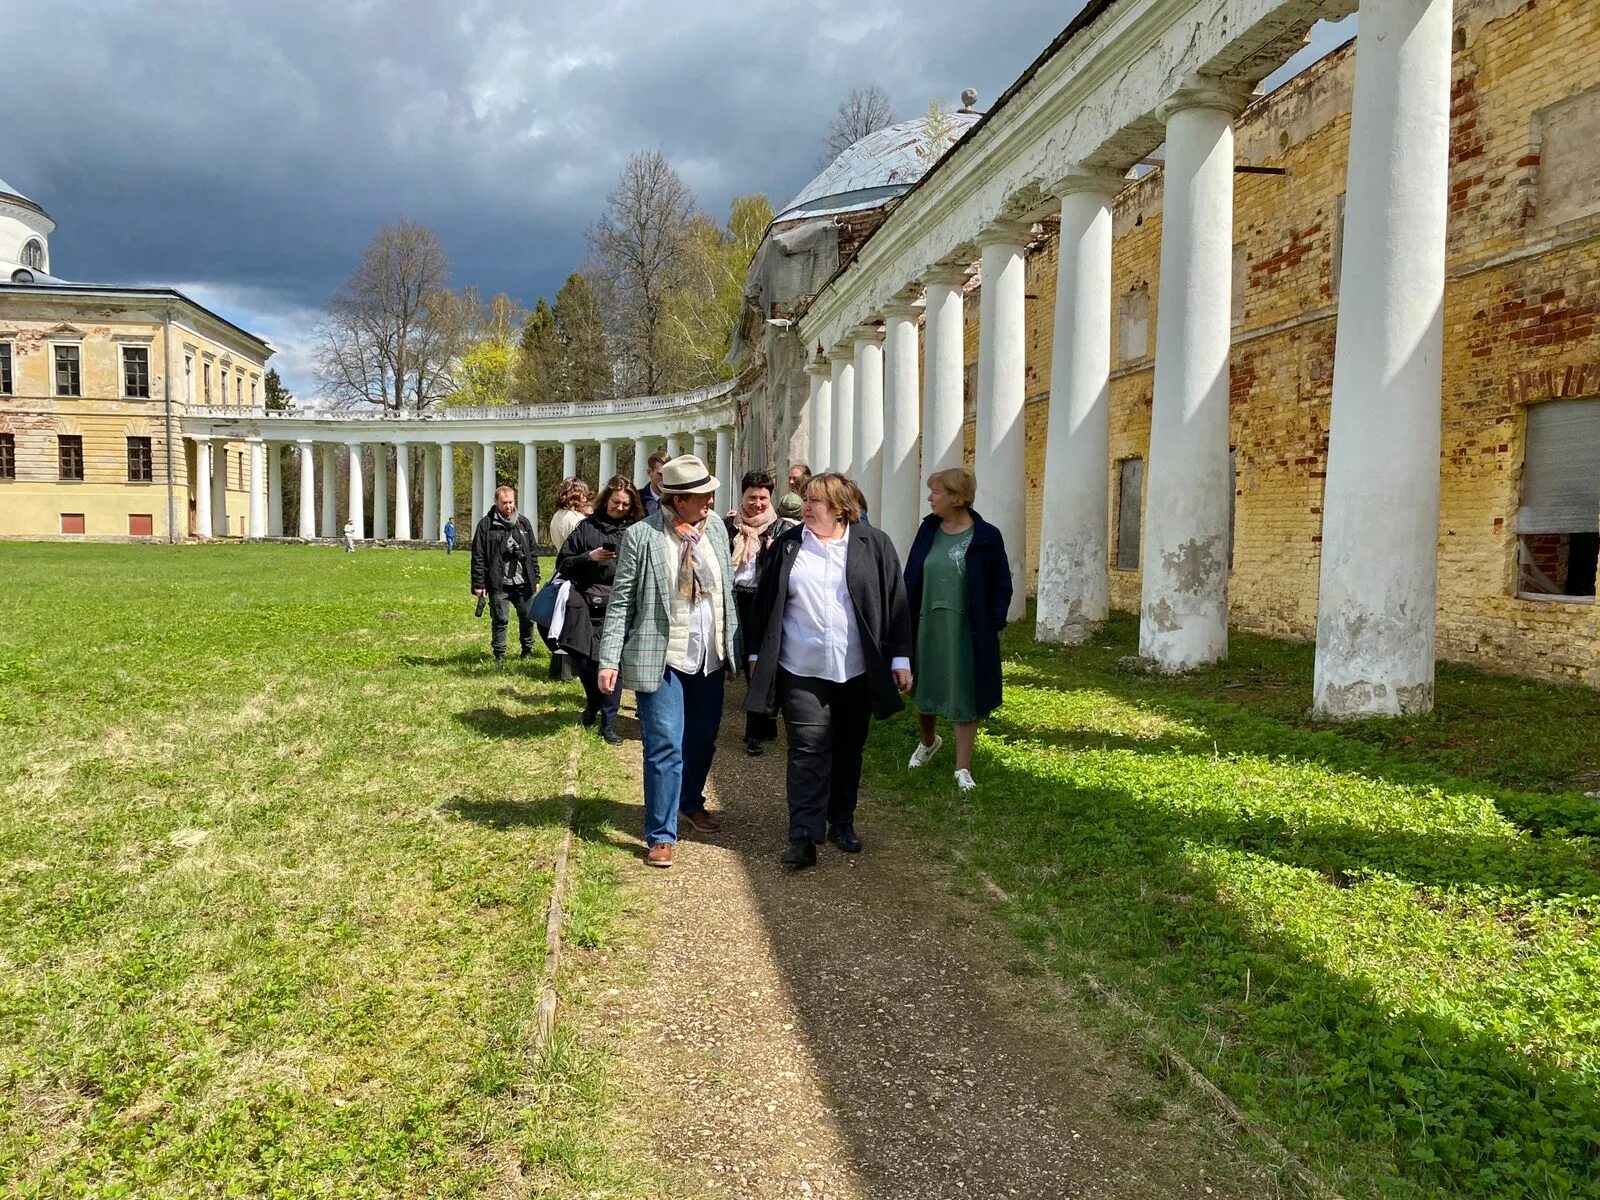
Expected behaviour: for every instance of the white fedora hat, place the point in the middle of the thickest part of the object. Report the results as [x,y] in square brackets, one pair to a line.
[686,475]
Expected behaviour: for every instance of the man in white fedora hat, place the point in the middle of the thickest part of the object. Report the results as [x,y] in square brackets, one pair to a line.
[669,635]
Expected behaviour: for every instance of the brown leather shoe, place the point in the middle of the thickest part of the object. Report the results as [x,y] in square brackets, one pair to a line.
[703,821]
[659,855]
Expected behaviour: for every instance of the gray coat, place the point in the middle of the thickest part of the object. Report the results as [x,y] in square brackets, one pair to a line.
[637,628]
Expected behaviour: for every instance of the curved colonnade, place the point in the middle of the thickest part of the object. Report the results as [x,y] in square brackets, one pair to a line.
[1128,77]
[699,420]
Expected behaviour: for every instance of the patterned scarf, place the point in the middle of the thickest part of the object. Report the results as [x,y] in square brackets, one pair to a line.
[694,575]
[747,544]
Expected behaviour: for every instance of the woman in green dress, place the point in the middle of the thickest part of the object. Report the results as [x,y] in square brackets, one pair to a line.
[958,582]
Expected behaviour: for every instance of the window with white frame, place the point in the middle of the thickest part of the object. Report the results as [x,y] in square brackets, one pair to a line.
[136,372]
[1558,520]
[33,254]
[5,368]
[205,373]
[69,374]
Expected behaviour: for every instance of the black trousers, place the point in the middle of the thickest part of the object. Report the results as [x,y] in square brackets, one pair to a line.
[827,724]
[757,726]
[596,700]
[500,607]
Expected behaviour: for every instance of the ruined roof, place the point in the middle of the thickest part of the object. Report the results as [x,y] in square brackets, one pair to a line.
[7,192]
[877,168]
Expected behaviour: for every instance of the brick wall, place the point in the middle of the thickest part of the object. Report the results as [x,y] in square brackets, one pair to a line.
[1521,300]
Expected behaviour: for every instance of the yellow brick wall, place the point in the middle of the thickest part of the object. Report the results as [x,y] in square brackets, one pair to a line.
[1520,326]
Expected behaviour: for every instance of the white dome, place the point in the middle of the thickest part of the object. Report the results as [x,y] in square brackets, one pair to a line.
[25,231]
[877,168]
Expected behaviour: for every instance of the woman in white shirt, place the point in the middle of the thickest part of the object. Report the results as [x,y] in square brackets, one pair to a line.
[829,646]
[572,507]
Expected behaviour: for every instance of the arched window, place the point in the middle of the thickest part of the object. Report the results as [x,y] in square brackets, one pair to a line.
[33,254]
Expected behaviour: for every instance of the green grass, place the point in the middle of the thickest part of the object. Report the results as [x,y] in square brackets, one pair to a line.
[1378,939]
[275,848]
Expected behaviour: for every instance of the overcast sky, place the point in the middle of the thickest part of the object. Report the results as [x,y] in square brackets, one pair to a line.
[246,150]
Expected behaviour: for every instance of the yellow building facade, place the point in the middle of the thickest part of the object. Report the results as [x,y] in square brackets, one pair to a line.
[94,381]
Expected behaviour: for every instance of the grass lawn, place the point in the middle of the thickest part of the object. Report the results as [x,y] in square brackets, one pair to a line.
[1378,939]
[275,846]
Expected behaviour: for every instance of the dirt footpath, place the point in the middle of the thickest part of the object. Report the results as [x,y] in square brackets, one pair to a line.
[853,1030]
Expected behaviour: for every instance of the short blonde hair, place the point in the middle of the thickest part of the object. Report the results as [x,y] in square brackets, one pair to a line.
[837,492]
[958,481]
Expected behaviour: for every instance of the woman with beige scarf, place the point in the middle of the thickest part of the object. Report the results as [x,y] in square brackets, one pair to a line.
[751,529]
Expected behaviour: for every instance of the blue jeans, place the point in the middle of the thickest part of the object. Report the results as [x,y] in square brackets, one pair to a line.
[679,721]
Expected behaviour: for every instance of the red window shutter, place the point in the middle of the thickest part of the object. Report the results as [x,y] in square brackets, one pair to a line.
[141,525]
[71,522]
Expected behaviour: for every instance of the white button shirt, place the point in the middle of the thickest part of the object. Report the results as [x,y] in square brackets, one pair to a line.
[820,637]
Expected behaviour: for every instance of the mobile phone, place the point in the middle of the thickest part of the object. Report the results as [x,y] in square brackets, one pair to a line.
[609,546]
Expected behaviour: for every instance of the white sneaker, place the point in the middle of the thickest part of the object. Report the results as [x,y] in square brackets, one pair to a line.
[922,753]
[965,781]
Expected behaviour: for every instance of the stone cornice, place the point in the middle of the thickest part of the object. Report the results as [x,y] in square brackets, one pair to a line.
[1092,105]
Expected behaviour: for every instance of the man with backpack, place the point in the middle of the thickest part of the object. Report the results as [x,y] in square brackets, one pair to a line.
[506,570]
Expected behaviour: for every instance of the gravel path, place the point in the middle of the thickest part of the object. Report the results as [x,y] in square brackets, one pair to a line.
[853,1031]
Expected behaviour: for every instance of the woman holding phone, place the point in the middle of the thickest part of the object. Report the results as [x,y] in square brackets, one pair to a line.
[588,560]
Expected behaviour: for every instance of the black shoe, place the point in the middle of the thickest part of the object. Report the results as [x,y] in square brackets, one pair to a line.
[499,662]
[611,736]
[527,653]
[752,747]
[844,837]
[800,854]
[589,714]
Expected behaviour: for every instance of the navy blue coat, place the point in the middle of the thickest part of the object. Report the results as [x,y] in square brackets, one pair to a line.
[988,599]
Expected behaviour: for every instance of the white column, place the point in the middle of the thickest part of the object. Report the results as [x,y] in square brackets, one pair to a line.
[1380,528]
[308,490]
[204,490]
[900,503]
[674,445]
[380,492]
[274,489]
[525,462]
[842,361]
[356,505]
[1074,557]
[641,461]
[447,486]
[867,450]
[608,462]
[728,486]
[944,370]
[819,378]
[219,490]
[256,513]
[530,506]
[430,493]
[569,459]
[1000,451]
[330,509]
[402,492]
[487,481]
[1183,615]
[475,494]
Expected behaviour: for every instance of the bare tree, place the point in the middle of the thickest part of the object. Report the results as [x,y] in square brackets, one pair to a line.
[393,329]
[639,246]
[865,110]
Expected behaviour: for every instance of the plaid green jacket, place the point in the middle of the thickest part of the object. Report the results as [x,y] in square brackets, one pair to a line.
[634,640]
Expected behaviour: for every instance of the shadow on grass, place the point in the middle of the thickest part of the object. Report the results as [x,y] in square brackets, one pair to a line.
[506,723]
[1522,745]
[1106,881]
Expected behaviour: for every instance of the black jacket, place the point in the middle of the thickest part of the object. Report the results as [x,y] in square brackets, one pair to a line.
[591,581]
[988,599]
[647,494]
[490,543]
[878,595]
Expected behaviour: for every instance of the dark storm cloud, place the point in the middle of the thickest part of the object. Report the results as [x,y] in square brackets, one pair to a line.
[248,149]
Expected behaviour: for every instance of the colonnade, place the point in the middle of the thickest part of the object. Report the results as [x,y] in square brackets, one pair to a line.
[1378,562]
[435,479]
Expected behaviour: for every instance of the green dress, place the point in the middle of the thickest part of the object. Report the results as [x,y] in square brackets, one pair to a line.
[946,680]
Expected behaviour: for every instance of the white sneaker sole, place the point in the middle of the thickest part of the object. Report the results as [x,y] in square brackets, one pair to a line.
[923,754]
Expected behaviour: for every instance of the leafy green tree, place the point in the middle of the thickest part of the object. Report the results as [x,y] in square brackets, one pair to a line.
[704,309]
[537,356]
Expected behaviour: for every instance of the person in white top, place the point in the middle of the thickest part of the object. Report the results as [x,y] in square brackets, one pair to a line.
[830,646]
